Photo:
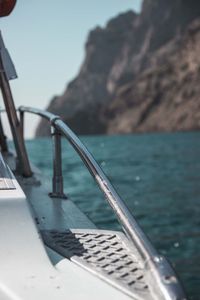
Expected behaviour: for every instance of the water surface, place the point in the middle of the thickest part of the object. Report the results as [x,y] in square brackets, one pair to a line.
[158,176]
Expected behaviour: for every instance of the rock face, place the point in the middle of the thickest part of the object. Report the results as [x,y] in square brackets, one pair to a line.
[166,95]
[141,73]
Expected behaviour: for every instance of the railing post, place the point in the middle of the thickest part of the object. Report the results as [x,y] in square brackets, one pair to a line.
[3,139]
[57,180]
[21,118]
[22,165]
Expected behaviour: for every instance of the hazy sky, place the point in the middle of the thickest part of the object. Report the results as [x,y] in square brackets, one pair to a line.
[46,41]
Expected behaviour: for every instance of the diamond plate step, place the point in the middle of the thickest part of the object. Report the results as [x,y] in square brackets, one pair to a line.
[6,182]
[107,254]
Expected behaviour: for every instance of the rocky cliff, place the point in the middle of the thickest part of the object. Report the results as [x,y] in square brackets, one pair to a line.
[140,73]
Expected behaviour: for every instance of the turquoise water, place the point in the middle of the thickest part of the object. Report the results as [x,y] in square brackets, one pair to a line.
[158,176]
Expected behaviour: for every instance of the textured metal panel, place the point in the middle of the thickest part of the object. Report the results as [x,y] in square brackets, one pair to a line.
[105,253]
[6,182]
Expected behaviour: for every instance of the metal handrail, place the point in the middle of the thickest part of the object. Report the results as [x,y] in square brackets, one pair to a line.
[115,201]
[7,72]
[158,264]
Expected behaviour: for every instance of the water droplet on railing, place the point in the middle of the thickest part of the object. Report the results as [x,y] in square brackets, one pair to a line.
[170,279]
[158,259]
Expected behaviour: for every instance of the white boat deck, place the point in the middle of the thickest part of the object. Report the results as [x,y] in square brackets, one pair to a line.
[26,271]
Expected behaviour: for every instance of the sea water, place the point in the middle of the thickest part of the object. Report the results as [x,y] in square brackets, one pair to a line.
[157,175]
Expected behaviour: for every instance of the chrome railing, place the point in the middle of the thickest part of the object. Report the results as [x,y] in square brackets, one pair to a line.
[161,270]
[7,72]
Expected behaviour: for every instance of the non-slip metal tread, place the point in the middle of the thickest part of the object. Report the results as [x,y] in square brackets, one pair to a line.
[6,182]
[107,254]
